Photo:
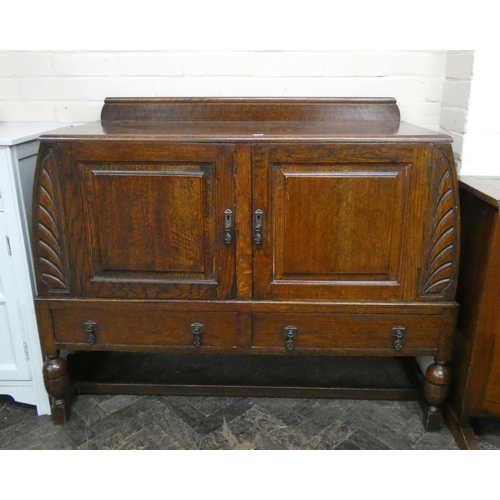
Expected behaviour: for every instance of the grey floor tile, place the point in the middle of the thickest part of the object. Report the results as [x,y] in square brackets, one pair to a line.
[118,402]
[362,440]
[142,425]
[224,423]
[35,433]
[318,414]
[282,408]
[436,441]
[386,422]
[275,429]
[208,405]
[184,408]
[208,417]
[487,431]
[12,414]
[331,437]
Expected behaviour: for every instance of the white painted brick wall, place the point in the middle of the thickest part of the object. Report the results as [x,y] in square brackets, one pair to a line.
[28,111]
[455,99]
[6,64]
[217,64]
[9,90]
[154,64]
[71,86]
[84,64]
[66,111]
[32,64]
[53,89]
[479,155]
[289,64]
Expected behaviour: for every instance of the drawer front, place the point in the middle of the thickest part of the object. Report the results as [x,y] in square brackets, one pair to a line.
[110,328]
[346,331]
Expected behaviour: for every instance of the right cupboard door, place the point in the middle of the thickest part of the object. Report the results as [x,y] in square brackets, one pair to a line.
[343,222]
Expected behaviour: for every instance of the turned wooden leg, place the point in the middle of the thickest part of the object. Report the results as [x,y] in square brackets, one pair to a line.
[56,379]
[436,388]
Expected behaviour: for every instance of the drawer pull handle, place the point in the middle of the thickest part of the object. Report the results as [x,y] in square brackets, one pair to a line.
[197,329]
[290,333]
[258,217]
[228,226]
[90,328]
[399,333]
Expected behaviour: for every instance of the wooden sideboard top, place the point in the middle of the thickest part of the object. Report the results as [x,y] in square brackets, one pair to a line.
[251,120]
[248,131]
[486,188]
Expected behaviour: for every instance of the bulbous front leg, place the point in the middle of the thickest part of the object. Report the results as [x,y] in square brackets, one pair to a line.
[56,379]
[436,389]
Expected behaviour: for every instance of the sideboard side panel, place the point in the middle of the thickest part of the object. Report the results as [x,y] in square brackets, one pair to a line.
[50,255]
[440,272]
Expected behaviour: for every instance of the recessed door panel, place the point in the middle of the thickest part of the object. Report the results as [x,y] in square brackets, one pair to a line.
[338,223]
[151,220]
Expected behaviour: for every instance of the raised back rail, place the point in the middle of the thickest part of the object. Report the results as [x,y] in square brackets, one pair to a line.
[374,109]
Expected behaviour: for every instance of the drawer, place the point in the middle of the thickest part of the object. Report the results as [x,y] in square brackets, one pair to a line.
[134,326]
[346,331]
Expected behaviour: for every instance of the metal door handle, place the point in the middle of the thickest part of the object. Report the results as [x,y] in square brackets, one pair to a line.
[399,333]
[228,226]
[90,328]
[197,329]
[290,332]
[258,222]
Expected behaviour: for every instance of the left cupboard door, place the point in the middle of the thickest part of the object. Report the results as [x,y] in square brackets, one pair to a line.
[149,220]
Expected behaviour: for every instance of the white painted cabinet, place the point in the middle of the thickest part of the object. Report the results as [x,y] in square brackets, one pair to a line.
[14,354]
[20,353]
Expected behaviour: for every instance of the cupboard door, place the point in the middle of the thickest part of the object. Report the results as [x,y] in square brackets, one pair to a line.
[339,222]
[155,220]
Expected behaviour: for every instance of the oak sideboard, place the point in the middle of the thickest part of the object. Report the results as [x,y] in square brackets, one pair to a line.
[276,227]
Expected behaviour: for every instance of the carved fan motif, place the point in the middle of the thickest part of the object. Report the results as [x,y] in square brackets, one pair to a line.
[49,235]
[440,256]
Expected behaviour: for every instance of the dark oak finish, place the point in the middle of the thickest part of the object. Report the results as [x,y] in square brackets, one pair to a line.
[56,380]
[476,387]
[264,109]
[344,331]
[342,222]
[290,227]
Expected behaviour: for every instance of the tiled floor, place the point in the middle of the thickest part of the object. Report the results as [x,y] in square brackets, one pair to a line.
[181,422]
[188,422]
